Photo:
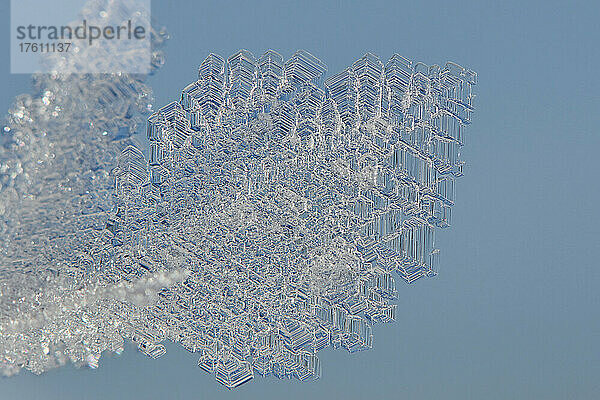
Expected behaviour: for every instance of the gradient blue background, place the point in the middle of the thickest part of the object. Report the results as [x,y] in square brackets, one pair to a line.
[514,311]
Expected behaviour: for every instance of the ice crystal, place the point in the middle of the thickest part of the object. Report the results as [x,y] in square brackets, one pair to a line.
[269,221]
[293,202]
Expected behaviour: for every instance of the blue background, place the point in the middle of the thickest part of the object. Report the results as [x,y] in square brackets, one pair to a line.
[514,311]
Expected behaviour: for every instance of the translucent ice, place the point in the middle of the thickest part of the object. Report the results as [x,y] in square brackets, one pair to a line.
[269,221]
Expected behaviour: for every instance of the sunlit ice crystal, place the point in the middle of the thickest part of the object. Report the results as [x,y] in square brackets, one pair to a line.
[273,213]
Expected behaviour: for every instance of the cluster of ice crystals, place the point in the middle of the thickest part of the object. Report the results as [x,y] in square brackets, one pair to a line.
[57,151]
[268,223]
[292,202]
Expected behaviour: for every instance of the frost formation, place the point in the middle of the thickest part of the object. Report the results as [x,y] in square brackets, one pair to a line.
[268,223]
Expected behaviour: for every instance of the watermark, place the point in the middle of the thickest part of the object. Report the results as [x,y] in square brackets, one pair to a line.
[77,36]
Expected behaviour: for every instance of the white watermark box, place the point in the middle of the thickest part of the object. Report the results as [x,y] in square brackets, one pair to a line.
[78,36]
